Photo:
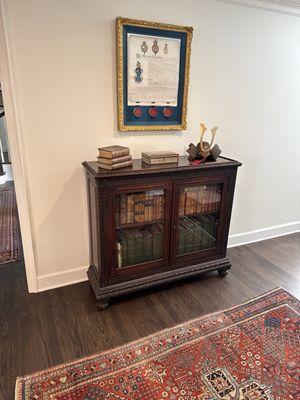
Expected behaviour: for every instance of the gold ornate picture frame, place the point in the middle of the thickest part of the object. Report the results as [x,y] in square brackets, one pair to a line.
[153,71]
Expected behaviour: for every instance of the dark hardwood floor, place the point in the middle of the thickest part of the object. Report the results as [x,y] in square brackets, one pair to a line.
[41,330]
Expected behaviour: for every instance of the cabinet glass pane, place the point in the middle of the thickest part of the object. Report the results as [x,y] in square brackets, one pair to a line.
[140,227]
[198,217]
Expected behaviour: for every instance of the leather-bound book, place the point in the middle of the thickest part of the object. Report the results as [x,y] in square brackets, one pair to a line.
[113,161]
[115,166]
[113,151]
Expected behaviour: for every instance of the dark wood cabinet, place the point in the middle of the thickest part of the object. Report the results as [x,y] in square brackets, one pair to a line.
[152,225]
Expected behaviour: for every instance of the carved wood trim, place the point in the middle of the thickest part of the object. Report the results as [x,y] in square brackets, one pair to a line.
[153,280]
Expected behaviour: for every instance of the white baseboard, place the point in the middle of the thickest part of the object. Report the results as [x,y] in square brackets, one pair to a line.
[62,278]
[75,275]
[263,234]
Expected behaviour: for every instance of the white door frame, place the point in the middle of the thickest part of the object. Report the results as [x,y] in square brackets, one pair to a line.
[16,150]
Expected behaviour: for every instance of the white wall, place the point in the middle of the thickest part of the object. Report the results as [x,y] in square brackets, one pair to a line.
[245,78]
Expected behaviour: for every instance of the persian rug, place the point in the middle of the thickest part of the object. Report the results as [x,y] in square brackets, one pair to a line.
[248,352]
[10,246]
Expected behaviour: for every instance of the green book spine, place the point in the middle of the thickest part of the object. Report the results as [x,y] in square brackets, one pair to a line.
[148,244]
[139,244]
[155,242]
[130,247]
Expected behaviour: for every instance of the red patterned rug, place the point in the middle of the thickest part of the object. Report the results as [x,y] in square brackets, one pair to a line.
[10,246]
[249,352]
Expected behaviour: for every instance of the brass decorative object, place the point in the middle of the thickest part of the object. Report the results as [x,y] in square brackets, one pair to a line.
[204,150]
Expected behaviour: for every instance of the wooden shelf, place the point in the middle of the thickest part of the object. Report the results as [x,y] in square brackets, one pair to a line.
[200,213]
[137,224]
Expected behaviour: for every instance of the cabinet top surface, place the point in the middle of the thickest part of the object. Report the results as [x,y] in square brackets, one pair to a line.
[139,168]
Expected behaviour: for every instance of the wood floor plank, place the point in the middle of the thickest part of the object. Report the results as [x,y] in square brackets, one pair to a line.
[42,330]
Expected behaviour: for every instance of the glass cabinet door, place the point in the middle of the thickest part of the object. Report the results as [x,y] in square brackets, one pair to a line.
[199,208]
[140,225]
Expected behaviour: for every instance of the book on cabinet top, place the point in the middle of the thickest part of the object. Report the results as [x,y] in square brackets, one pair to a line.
[113,161]
[113,151]
[115,166]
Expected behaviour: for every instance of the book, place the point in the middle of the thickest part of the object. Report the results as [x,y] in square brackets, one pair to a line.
[193,194]
[204,199]
[130,247]
[199,199]
[160,207]
[139,207]
[159,157]
[113,151]
[189,201]
[123,209]
[113,167]
[148,244]
[182,203]
[150,206]
[112,161]
[139,246]
[130,208]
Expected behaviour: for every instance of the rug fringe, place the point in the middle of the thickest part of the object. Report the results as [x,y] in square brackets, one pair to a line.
[17,390]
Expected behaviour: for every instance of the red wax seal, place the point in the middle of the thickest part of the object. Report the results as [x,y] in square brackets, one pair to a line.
[153,112]
[167,111]
[137,112]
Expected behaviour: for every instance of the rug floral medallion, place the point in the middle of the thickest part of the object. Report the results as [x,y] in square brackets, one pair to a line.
[248,352]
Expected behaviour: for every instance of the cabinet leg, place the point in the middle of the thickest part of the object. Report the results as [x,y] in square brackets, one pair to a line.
[222,272]
[102,304]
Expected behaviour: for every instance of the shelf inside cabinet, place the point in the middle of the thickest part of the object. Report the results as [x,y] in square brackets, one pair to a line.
[199,213]
[138,224]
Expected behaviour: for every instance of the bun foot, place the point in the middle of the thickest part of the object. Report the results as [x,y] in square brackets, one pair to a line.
[102,304]
[222,272]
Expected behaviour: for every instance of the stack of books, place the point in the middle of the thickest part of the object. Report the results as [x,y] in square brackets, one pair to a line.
[140,207]
[200,199]
[114,157]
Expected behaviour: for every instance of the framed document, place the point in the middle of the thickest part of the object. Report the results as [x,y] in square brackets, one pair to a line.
[153,63]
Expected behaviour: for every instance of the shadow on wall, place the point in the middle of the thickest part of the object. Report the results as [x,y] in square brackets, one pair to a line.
[60,244]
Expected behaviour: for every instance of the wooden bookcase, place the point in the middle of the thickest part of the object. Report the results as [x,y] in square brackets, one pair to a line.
[152,225]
